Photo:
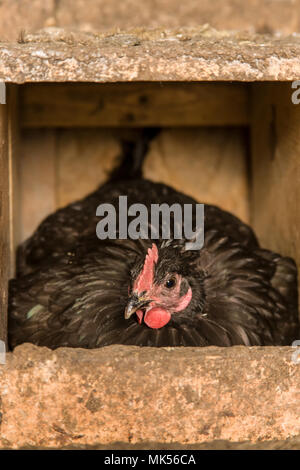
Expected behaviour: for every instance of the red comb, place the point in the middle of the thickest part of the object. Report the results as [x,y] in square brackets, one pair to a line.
[145,279]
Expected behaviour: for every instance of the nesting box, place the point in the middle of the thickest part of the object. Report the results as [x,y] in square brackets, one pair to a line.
[230,129]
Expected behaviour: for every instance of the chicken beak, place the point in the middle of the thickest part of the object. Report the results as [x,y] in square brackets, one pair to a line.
[135,303]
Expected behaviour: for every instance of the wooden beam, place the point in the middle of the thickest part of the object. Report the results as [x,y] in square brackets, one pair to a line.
[9,205]
[134,104]
[275,201]
[209,164]
[14,178]
[37,178]
[4,220]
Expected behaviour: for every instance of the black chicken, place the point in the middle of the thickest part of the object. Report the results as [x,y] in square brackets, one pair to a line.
[74,290]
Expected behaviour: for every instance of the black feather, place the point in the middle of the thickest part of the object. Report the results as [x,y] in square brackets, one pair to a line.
[72,289]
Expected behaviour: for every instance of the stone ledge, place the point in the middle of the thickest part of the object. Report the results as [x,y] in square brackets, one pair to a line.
[288,444]
[76,397]
[259,15]
[187,54]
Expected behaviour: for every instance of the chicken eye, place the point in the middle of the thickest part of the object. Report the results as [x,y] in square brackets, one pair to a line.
[170,283]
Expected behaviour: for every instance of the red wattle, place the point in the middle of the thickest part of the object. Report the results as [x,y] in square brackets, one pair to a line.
[139,314]
[157,317]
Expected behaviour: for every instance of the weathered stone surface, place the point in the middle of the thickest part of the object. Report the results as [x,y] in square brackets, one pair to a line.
[261,15]
[75,397]
[156,55]
[16,15]
[252,15]
[288,444]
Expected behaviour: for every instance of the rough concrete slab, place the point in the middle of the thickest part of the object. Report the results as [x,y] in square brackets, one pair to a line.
[16,15]
[190,54]
[131,395]
[288,444]
[252,15]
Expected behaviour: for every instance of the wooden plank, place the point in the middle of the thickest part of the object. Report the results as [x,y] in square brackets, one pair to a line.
[4,220]
[215,168]
[13,158]
[275,201]
[208,164]
[134,104]
[37,178]
[60,166]
[84,159]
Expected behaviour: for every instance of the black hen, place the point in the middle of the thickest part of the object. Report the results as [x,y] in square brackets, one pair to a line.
[75,290]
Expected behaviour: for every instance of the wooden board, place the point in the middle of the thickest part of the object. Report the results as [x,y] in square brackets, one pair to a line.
[14,168]
[59,166]
[275,200]
[9,198]
[4,219]
[63,165]
[37,178]
[84,159]
[134,104]
[208,164]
